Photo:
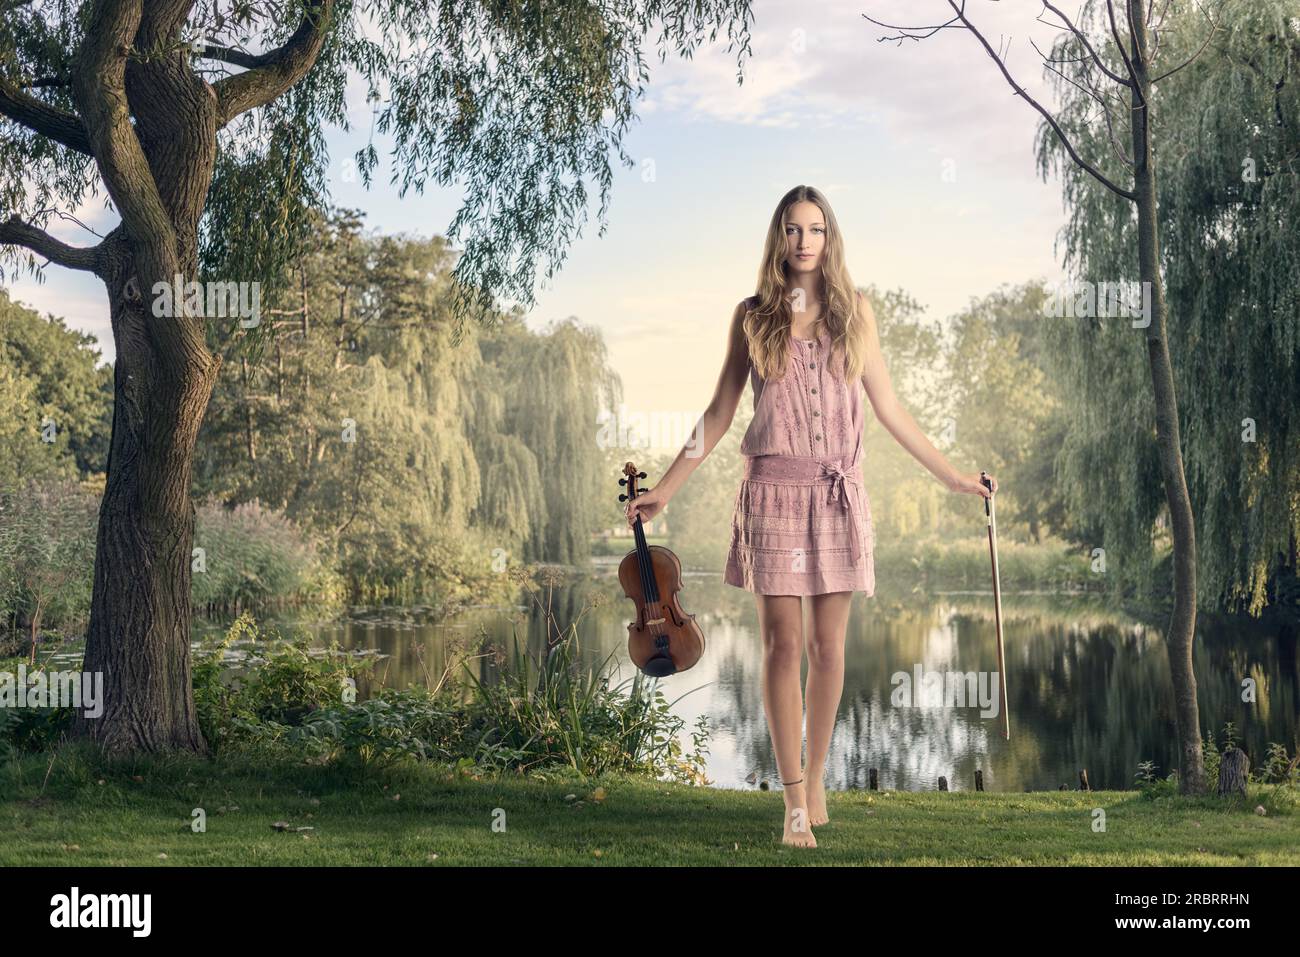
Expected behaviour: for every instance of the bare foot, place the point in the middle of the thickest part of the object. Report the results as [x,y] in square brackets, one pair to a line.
[798,832]
[816,801]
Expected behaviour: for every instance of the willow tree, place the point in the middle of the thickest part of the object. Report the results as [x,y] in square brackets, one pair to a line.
[1113,57]
[461,454]
[1008,408]
[555,386]
[203,121]
[1229,200]
[906,502]
[351,412]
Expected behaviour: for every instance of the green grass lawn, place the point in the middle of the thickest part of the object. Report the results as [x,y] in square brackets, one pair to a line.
[86,813]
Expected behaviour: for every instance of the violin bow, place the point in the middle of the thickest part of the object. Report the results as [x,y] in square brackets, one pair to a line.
[991,519]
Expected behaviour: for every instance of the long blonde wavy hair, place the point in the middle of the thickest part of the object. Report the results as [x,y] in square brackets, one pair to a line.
[768,325]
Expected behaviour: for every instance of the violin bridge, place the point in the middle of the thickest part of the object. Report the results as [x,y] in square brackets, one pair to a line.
[656,621]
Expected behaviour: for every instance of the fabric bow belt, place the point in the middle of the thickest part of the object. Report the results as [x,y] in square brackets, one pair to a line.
[814,470]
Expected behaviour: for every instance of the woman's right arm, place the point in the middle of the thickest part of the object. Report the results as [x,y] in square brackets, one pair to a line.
[715,422]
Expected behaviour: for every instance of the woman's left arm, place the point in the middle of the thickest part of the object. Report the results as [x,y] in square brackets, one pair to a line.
[899,422]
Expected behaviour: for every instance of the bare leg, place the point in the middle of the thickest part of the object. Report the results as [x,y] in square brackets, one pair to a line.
[830,619]
[780,622]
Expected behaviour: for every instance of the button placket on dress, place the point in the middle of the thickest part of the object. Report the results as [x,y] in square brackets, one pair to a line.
[838,493]
[814,414]
[817,437]
[796,381]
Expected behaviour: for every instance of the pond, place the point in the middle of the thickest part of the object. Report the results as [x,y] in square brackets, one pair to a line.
[1087,688]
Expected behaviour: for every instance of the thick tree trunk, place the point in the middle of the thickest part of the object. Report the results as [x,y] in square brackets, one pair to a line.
[139,634]
[149,122]
[1182,624]
[158,170]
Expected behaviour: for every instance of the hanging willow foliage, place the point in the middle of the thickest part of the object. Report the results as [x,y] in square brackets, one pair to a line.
[1228,181]
[421,460]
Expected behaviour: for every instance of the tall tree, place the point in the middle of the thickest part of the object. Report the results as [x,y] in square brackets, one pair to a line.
[56,396]
[203,120]
[453,460]
[1229,199]
[1007,409]
[70,390]
[905,500]
[1113,57]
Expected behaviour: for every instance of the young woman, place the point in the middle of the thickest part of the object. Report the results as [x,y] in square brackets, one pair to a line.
[802,520]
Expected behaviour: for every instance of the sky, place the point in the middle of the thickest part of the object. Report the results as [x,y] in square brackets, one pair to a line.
[922,148]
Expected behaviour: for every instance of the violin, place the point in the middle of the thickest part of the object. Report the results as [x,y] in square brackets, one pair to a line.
[663,639]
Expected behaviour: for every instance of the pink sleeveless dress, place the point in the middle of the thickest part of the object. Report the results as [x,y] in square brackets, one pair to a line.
[801,523]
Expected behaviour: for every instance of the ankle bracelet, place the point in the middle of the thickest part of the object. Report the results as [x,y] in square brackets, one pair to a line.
[788,783]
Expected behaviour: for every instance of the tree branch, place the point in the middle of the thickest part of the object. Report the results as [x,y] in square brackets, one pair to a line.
[1022,92]
[1105,106]
[277,70]
[58,125]
[1128,64]
[232,56]
[908,36]
[99,89]
[99,86]
[19,233]
[1209,36]
[1087,46]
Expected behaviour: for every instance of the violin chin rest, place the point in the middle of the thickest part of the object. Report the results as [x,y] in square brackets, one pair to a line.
[659,666]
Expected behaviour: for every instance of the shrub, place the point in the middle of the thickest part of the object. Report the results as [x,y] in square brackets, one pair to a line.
[561,712]
[47,558]
[391,726]
[292,702]
[29,729]
[255,557]
[282,685]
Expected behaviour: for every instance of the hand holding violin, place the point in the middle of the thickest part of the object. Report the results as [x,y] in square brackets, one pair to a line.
[663,639]
[647,505]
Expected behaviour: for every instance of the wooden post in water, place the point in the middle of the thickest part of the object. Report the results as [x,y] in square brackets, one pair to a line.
[943,783]
[875,780]
[979,780]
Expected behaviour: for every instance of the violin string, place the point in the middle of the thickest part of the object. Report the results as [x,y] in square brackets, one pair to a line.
[642,560]
[651,591]
[652,604]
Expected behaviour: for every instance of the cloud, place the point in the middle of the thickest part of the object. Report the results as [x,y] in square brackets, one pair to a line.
[824,64]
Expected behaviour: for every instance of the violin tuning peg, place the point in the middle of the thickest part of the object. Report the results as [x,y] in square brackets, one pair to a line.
[622,498]
[622,481]
[640,475]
